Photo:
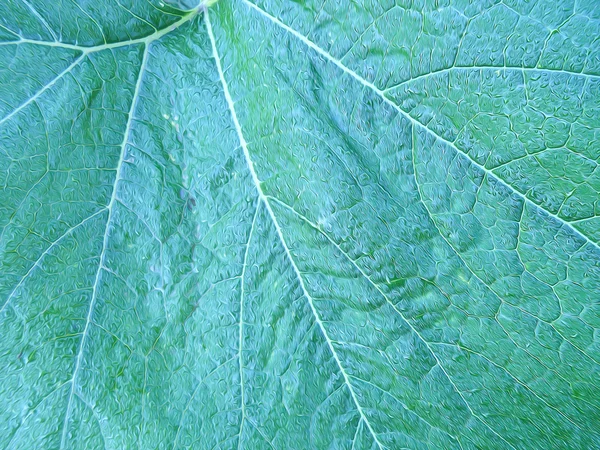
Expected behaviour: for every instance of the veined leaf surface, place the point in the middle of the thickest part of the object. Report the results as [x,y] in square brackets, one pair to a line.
[300,225]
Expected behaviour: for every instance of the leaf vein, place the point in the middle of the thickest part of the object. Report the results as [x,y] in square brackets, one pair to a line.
[241,325]
[110,208]
[490,67]
[278,230]
[381,94]
[44,253]
[96,48]
[43,89]
[390,303]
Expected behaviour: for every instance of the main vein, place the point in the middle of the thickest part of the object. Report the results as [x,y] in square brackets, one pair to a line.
[96,48]
[264,199]
[88,50]
[95,286]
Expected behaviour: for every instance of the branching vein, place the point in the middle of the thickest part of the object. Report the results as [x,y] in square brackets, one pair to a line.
[95,286]
[43,255]
[263,198]
[241,325]
[381,94]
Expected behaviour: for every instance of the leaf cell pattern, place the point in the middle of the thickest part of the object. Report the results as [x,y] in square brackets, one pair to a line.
[269,224]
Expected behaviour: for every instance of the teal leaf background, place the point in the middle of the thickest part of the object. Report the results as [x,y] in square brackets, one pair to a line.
[289,225]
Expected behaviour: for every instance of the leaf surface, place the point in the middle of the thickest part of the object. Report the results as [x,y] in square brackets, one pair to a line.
[274,224]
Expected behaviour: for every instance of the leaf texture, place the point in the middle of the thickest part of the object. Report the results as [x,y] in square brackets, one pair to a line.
[288,225]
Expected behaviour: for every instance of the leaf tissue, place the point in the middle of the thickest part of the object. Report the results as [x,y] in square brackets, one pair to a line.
[316,224]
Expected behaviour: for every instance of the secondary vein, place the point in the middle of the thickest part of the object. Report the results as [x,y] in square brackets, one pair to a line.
[43,255]
[381,94]
[396,310]
[490,67]
[241,324]
[104,247]
[43,89]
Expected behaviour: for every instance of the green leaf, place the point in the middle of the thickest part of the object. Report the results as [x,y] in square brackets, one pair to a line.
[300,225]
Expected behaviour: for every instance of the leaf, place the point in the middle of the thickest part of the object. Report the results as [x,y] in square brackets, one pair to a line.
[281,225]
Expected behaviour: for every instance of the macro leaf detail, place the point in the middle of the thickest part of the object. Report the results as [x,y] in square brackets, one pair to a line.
[273,224]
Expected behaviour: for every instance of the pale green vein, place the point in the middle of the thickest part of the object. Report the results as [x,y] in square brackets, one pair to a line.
[393,306]
[543,400]
[96,48]
[513,377]
[186,409]
[141,19]
[87,50]
[43,89]
[357,432]
[502,300]
[262,435]
[4,27]
[537,155]
[264,198]
[241,325]
[89,16]
[381,94]
[22,201]
[142,426]
[406,408]
[40,19]
[32,411]
[105,240]
[531,70]
[43,255]
[95,416]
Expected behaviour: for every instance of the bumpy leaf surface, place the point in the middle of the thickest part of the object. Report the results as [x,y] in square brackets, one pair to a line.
[300,224]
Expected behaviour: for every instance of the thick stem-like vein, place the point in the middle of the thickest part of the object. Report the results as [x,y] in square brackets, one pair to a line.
[96,48]
[87,50]
[279,232]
